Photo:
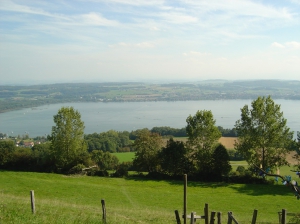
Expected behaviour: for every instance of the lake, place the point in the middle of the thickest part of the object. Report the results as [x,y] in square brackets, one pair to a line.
[128,116]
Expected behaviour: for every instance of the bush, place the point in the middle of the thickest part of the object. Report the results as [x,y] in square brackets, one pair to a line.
[122,169]
[241,170]
[97,172]
[76,169]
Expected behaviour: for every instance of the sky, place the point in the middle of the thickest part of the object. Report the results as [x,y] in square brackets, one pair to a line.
[55,41]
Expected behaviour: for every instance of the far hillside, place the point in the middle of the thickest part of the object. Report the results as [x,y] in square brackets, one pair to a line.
[17,97]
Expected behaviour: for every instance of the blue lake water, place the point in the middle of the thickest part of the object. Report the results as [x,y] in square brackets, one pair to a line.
[100,117]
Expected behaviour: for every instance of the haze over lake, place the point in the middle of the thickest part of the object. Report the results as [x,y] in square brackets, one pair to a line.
[128,116]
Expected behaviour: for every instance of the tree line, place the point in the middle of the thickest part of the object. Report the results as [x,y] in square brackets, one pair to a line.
[263,141]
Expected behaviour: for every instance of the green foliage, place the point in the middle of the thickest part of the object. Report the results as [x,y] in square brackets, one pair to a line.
[134,134]
[241,170]
[168,131]
[201,130]
[22,159]
[76,169]
[122,169]
[234,155]
[67,143]
[104,160]
[174,159]
[147,146]
[202,140]
[110,141]
[7,148]
[221,162]
[264,138]
[227,132]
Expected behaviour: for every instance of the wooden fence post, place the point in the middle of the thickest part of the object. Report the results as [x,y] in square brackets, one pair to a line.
[192,218]
[103,210]
[229,218]
[177,217]
[184,199]
[283,216]
[219,215]
[212,217]
[206,213]
[254,217]
[32,201]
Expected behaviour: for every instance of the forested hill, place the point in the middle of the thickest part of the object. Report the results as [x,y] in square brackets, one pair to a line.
[17,97]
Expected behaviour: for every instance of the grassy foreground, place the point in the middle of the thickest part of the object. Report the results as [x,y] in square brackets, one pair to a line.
[76,199]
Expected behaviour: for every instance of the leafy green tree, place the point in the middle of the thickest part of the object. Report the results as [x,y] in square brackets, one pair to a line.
[67,138]
[263,137]
[110,141]
[201,130]
[174,159]
[147,146]
[221,162]
[203,137]
[43,157]
[297,155]
[7,149]
[105,160]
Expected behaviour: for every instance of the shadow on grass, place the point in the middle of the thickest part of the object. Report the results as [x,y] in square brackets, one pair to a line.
[262,189]
[178,181]
[249,189]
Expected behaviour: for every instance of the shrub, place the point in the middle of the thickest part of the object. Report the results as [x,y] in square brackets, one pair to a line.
[122,169]
[241,170]
[76,169]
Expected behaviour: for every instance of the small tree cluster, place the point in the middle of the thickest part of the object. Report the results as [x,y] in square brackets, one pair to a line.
[201,157]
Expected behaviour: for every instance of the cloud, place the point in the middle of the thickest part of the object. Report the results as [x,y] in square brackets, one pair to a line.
[178,18]
[290,45]
[293,44]
[295,1]
[96,19]
[135,2]
[134,45]
[277,45]
[196,54]
[8,5]
[240,8]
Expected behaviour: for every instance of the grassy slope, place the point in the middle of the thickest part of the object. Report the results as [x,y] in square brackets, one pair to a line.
[61,199]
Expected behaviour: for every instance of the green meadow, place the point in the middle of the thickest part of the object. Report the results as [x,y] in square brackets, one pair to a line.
[77,199]
[124,156]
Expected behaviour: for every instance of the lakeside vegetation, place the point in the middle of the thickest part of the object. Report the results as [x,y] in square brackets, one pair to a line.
[18,97]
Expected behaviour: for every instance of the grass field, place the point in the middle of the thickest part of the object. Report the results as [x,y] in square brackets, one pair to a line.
[76,199]
[125,156]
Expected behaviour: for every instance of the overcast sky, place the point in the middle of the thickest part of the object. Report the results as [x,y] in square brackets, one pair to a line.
[136,40]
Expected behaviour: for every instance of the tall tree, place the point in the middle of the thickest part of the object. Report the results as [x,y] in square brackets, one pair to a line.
[203,136]
[67,138]
[221,162]
[174,158]
[263,137]
[297,155]
[201,130]
[147,146]
[7,149]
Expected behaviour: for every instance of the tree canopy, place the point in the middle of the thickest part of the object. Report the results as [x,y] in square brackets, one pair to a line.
[263,137]
[201,130]
[67,138]
[203,136]
[147,146]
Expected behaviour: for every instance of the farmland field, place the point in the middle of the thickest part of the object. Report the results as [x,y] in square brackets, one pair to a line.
[76,199]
